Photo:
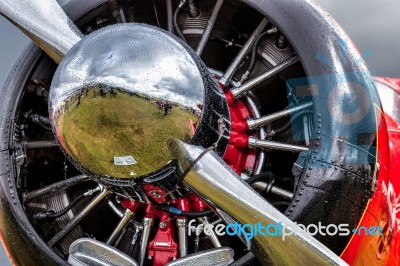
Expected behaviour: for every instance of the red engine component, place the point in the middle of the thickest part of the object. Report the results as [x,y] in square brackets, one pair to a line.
[132,205]
[196,203]
[237,154]
[182,203]
[163,248]
[155,193]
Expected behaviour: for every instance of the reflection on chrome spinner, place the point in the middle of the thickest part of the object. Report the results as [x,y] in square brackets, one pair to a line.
[122,92]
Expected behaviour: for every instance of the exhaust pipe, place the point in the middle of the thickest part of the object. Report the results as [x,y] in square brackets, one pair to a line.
[211,178]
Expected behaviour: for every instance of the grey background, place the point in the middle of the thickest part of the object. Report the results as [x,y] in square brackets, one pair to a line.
[373,25]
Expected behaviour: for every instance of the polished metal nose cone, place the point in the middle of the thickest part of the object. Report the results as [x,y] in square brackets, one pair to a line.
[121,93]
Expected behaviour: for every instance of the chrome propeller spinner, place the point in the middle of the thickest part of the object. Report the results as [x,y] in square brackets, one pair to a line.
[121,92]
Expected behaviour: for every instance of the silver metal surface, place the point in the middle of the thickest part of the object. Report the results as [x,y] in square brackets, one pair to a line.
[210,25]
[87,251]
[147,224]
[92,191]
[273,145]
[200,229]
[40,144]
[212,236]
[120,94]
[240,91]
[120,226]
[255,112]
[45,23]
[193,10]
[215,181]
[262,121]
[211,257]
[170,24]
[182,236]
[229,220]
[55,187]
[243,52]
[115,209]
[273,190]
[78,217]
[136,235]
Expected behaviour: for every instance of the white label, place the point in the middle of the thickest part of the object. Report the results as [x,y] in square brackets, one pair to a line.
[124,160]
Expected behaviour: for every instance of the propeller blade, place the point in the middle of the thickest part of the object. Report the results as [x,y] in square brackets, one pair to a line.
[45,23]
[211,178]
